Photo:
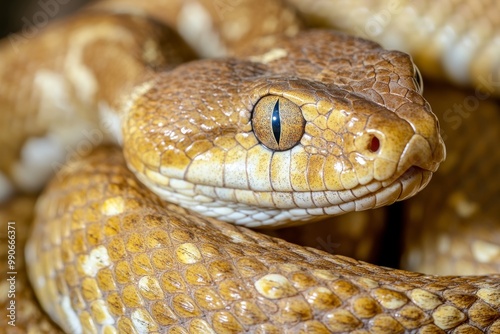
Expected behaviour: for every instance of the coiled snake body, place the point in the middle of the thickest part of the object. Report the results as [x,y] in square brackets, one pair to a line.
[292,127]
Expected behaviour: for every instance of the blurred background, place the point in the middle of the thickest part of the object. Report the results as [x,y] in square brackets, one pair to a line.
[15,14]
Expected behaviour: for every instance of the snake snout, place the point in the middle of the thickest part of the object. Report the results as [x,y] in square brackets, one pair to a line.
[396,144]
[418,153]
[426,148]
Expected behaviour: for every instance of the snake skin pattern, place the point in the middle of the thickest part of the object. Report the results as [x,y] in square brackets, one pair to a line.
[171,274]
[108,256]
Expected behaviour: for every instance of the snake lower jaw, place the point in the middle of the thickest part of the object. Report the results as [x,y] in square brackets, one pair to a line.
[285,209]
[411,182]
[398,188]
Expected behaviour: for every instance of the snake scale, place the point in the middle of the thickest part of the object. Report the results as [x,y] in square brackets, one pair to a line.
[337,119]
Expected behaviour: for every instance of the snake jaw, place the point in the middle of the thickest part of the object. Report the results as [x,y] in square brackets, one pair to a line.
[264,209]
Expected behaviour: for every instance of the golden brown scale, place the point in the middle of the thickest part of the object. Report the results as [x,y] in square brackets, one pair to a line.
[171,271]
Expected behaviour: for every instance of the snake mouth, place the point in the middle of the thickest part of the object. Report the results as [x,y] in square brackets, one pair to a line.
[409,183]
[276,209]
[370,196]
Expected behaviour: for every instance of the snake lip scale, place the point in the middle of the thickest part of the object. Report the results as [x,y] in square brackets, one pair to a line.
[363,197]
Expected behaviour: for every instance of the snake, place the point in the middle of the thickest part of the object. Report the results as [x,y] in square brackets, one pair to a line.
[153,236]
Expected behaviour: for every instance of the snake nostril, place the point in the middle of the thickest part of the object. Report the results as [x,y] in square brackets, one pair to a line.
[374,144]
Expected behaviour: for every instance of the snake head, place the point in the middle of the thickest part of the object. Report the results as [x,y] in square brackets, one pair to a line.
[303,133]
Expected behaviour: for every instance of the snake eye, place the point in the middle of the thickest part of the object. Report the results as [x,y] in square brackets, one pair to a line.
[278,123]
[417,77]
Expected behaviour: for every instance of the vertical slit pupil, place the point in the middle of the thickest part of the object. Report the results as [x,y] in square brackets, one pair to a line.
[276,122]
